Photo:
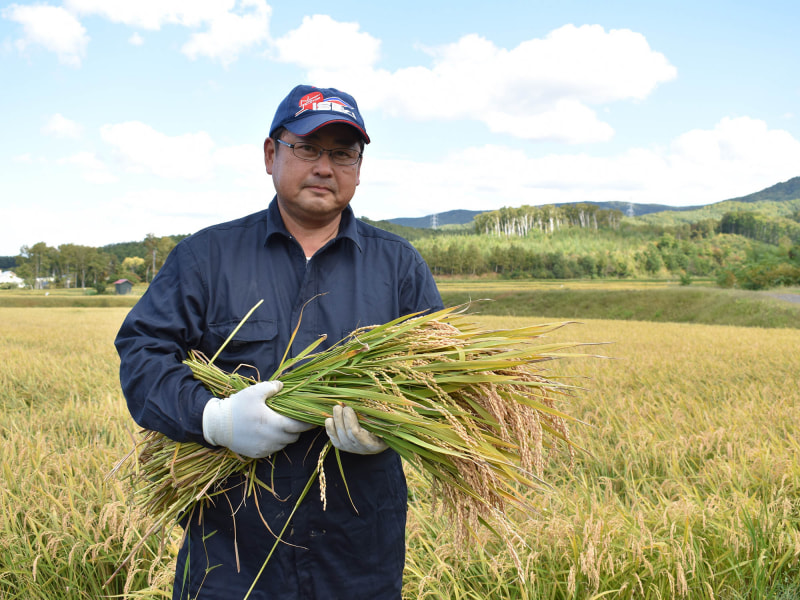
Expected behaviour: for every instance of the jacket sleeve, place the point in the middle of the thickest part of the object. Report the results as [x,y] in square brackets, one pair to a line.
[154,339]
[419,291]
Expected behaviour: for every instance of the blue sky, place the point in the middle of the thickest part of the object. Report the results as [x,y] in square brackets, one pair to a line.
[125,118]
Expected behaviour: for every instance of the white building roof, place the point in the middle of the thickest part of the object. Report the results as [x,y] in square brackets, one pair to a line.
[10,277]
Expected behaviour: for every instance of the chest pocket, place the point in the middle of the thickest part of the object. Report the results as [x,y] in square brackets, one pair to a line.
[252,352]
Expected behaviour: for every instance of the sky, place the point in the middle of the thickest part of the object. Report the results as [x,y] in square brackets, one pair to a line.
[122,119]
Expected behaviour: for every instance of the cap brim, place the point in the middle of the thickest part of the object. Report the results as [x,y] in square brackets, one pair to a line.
[311,123]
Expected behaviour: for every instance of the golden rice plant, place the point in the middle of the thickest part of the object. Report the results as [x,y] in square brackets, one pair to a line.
[468,407]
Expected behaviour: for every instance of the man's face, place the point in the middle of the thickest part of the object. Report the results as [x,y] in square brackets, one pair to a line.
[313,192]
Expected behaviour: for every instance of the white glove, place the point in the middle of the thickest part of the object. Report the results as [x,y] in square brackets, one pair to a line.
[246,425]
[347,435]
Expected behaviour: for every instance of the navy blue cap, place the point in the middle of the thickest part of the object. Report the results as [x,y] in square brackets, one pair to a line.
[308,108]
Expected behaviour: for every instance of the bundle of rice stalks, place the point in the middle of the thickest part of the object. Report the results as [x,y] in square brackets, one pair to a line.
[463,405]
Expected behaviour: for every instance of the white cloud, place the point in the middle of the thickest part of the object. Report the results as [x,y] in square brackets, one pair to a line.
[320,43]
[542,89]
[86,160]
[246,162]
[591,64]
[142,149]
[567,121]
[24,159]
[189,210]
[737,151]
[734,158]
[169,212]
[229,33]
[190,156]
[231,26]
[60,126]
[51,27]
[92,169]
[136,40]
[153,14]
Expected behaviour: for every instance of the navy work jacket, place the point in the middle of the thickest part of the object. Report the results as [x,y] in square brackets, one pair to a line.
[364,276]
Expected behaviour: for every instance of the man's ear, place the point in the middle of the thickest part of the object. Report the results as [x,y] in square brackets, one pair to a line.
[269,154]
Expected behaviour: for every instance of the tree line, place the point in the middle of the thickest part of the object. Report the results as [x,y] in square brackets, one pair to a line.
[73,265]
[744,249]
[758,227]
[545,219]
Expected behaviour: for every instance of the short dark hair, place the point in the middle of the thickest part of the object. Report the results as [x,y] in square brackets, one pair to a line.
[276,135]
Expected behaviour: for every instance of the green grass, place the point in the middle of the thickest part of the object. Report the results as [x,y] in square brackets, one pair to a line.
[633,302]
[59,298]
[657,301]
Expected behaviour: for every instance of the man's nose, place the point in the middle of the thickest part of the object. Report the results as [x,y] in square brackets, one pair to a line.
[324,164]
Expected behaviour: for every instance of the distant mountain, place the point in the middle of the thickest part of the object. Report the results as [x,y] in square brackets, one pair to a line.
[631,209]
[450,217]
[779,201]
[463,217]
[780,192]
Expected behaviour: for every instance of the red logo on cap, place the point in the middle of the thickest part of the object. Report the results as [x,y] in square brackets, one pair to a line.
[307,101]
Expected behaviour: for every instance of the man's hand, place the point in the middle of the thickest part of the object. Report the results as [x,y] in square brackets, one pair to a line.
[246,425]
[347,435]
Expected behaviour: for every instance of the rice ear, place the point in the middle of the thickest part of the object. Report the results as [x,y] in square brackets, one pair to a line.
[464,406]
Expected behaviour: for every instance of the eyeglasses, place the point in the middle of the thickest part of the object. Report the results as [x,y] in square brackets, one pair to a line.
[311,152]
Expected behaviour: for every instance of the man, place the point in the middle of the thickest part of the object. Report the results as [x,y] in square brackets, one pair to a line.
[305,252]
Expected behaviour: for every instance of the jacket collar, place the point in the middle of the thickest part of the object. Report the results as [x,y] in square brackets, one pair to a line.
[348,227]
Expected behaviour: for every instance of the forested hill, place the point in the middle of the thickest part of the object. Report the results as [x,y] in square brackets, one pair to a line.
[450,217]
[780,192]
[778,203]
[631,209]
[464,217]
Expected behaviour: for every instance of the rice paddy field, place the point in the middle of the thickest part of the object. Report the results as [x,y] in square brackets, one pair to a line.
[689,487]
